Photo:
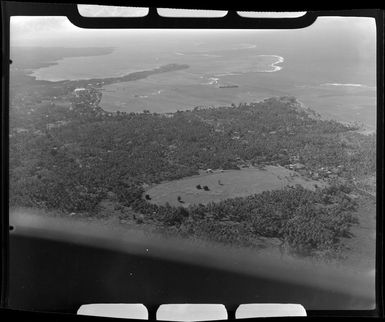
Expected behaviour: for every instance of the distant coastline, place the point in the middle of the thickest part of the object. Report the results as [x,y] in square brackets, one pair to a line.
[36,58]
[329,92]
[100,82]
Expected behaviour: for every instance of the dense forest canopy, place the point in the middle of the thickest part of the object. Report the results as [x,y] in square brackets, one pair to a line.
[69,155]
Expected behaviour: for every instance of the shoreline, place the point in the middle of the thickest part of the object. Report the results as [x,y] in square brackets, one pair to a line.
[34,72]
[364,129]
[131,76]
[97,51]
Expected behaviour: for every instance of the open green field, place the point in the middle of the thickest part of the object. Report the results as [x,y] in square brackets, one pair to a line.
[227,184]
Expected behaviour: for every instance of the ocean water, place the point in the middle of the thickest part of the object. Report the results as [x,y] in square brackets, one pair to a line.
[334,76]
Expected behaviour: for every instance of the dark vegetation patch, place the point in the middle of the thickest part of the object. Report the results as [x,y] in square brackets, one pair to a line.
[71,157]
[305,222]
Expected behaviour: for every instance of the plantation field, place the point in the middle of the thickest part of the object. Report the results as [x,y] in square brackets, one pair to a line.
[227,184]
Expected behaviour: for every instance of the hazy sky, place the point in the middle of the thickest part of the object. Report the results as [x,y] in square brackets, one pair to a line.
[58,31]
[328,39]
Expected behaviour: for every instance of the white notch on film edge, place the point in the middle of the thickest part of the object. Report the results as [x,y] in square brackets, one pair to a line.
[125,311]
[271,14]
[245,311]
[92,10]
[191,312]
[191,13]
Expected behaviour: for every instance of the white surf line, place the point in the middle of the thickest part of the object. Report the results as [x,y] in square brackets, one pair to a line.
[228,74]
[341,84]
[280,60]
[276,68]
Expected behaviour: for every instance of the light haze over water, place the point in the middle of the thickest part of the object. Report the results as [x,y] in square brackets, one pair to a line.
[330,66]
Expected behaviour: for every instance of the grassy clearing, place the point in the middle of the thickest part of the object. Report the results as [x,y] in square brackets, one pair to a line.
[227,184]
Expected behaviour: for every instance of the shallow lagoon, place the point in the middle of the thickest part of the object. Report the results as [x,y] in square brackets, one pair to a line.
[338,89]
